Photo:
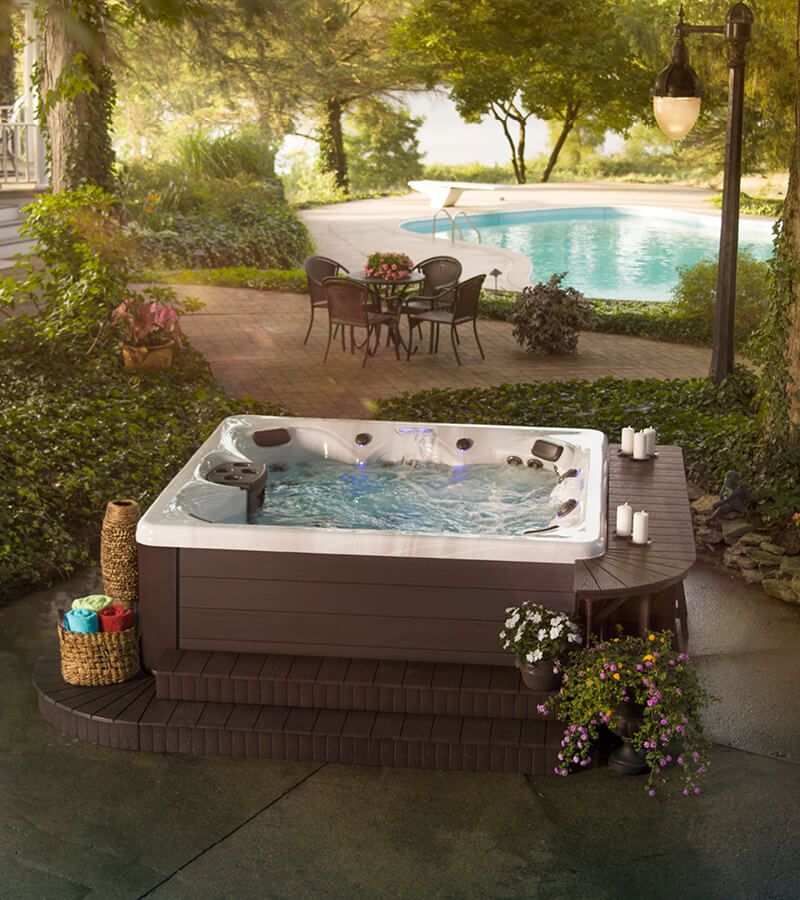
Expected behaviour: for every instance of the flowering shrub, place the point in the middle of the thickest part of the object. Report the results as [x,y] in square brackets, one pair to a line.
[646,671]
[147,323]
[536,633]
[388,265]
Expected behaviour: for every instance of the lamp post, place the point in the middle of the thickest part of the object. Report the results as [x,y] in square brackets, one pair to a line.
[676,104]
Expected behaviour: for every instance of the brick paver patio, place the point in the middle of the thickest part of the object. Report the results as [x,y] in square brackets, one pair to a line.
[253,341]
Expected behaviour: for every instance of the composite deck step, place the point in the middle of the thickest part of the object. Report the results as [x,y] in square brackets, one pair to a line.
[391,686]
[131,716]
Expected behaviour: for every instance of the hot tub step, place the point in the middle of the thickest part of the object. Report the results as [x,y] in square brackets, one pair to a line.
[390,686]
[131,716]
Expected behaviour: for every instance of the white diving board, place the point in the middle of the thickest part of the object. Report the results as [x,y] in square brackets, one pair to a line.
[447,193]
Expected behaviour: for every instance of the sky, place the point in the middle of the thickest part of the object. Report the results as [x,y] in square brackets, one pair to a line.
[445,138]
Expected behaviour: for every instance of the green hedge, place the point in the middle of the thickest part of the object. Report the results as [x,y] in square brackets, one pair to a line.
[290,280]
[77,431]
[714,426]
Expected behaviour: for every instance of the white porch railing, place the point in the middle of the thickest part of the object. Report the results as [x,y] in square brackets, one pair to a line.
[19,149]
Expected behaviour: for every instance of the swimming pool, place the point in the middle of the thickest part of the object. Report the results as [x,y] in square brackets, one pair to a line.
[613,252]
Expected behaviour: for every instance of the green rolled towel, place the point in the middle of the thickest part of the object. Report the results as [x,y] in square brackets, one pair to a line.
[95,602]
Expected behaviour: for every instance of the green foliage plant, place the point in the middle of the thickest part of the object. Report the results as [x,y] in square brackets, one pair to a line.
[382,147]
[599,678]
[289,280]
[80,264]
[536,633]
[754,206]
[696,291]
[547,318]
[714,425]
[77,431]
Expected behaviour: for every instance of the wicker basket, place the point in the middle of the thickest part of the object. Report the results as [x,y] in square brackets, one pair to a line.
[100,658]
[118,554]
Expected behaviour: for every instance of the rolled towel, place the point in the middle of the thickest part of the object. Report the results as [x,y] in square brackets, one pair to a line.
[115,618]
[95,602]
[82,620]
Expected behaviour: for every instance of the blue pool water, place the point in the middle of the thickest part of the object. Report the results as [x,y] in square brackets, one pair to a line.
[619,253]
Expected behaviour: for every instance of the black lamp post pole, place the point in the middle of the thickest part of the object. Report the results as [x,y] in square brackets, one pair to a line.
[737,30]
[738,26]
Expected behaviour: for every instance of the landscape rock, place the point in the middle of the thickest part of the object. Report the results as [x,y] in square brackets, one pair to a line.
[709,535]
[773,548]
[753,537]
[704,505]
[733,529]
[790,565]
[752,576]
[731,558]
[763,558]
[780,589]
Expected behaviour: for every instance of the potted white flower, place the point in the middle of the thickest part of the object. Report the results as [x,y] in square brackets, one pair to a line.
[539,637]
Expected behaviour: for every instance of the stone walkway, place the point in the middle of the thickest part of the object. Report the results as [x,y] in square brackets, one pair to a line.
[253,341]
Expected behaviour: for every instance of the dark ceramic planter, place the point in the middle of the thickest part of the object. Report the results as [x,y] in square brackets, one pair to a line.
[624,760]
[539,677]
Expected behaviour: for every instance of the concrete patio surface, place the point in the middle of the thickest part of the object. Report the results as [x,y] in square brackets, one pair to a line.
[83,821]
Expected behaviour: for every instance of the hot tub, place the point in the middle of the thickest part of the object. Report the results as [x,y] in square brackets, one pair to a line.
[210,579]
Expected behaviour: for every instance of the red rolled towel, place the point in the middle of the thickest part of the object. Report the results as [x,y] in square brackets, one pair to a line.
[115,618]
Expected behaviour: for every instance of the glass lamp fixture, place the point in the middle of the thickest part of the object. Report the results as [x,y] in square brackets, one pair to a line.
[677,94]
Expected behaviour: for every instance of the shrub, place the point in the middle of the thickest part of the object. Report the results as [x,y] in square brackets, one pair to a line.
[696,292]
[264,236]
[87,263]
[77,431]
[658,321]
[715,426]
[293,280]
[547,317]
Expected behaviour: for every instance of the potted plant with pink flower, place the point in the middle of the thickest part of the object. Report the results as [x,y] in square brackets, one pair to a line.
[645,691]
[149,329]
[392,266]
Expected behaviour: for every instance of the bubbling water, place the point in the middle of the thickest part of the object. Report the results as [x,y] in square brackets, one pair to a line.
[424,498]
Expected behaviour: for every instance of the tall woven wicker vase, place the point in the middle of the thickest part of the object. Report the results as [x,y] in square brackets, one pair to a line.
[118,555]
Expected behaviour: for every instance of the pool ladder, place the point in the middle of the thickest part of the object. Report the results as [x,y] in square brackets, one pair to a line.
[454,224]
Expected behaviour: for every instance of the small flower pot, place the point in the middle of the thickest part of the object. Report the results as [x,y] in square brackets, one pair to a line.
[148,358]
[539,676]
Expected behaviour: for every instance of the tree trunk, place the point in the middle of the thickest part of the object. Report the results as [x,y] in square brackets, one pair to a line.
[331,146]
[517,147]
[77,96]
[790,250]
[570,118]
[7,90]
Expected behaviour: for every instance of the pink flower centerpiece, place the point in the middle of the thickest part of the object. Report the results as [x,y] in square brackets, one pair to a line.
[393,266]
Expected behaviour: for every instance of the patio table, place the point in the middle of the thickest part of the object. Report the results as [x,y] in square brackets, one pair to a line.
[390,292]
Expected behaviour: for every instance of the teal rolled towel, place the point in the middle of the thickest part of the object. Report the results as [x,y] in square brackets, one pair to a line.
[93,601]
[83,620]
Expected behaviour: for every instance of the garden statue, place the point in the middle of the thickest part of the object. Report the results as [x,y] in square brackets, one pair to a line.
[733,499]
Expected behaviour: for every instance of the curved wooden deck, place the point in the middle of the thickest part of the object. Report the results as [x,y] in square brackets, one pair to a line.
[649,577]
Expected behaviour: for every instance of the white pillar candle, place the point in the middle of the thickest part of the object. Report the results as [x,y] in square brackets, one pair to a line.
[650,435]
[624,520]
[627,440]
[640,527]
[640,445]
